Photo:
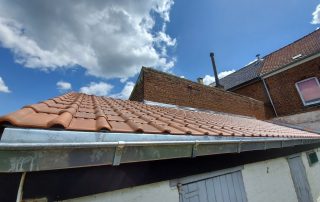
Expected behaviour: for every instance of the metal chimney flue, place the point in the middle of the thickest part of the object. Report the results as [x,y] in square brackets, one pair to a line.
[200,80]
[215,71]
[258,57]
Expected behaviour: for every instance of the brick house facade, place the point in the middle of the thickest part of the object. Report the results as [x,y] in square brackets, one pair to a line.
[283,91]
[281,71]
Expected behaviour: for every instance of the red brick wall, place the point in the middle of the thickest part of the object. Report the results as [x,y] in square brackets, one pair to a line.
[254,90]
[283,91]
[137,92]
[165,88]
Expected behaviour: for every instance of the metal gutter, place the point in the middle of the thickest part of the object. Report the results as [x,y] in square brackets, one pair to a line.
[34,155]
[269,96]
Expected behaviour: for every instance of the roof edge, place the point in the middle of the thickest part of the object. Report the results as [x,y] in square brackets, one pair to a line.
[27,156]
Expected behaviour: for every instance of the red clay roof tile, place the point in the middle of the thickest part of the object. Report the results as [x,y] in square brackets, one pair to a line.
[306,46]
[76,111]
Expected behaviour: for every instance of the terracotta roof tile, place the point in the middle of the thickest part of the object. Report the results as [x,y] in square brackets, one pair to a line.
[76,111]
[306,46]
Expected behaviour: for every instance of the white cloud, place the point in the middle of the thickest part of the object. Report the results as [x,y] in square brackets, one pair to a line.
[225,73]
[126,91]
[210,79]
[63,86]
[110,39]
[99,89]
[316,16]
[3,87]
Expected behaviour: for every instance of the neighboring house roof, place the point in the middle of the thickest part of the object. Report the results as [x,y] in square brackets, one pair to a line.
[298,50]
[81,112]
[306,46]
[245,74]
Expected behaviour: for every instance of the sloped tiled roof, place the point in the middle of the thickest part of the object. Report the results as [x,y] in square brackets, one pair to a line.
[306,46]
[243,75]
[81,112]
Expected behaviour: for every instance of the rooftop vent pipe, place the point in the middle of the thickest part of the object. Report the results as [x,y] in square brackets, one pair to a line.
[215,71]
[200,80]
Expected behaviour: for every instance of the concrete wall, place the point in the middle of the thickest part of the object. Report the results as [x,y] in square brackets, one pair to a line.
[264,181]
[307,120]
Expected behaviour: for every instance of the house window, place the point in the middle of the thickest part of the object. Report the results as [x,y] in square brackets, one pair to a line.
[309,90]
[312,158]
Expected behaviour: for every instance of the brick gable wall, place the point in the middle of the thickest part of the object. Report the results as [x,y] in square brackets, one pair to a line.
[138,90]
[165,88]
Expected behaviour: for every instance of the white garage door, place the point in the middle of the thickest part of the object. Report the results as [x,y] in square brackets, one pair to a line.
[222,188]
[299,177]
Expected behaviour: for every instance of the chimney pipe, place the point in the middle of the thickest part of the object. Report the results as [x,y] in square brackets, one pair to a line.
[200,80]
[258,57]
[215,70]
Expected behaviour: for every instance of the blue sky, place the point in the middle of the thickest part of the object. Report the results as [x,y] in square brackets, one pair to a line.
[47,48]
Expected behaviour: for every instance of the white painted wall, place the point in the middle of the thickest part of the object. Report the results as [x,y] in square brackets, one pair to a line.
[313,175]
[156,192]
[269,181]
[264,182]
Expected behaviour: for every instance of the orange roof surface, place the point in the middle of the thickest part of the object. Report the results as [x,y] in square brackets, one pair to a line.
[81,112]
[306,46]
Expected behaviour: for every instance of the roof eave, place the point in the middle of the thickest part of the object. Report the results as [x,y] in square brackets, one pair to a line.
[37,150]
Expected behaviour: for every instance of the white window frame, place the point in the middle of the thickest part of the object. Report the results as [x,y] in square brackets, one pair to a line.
[300,94]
